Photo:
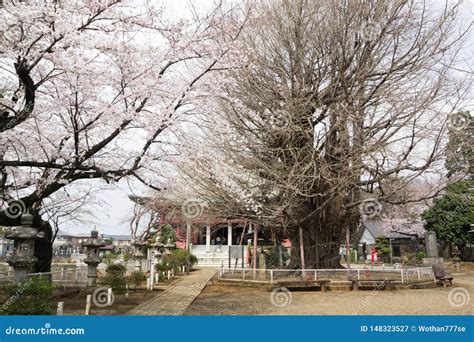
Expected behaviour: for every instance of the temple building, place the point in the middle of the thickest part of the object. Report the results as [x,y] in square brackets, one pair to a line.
[214,241]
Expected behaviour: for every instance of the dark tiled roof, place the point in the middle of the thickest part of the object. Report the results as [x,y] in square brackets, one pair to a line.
[400,230]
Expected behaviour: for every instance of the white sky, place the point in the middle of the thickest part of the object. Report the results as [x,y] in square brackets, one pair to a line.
[113,218]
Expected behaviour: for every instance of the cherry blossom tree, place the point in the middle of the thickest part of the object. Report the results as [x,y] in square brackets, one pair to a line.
[91,90]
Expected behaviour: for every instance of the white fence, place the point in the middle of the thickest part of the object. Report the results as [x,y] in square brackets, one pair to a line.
[65,277]
[407,275]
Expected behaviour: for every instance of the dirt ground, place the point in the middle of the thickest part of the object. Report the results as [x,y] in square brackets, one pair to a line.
[74,304]
[75,301]
[223,299]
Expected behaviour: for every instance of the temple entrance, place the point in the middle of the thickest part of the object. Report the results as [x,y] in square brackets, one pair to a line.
[221,234]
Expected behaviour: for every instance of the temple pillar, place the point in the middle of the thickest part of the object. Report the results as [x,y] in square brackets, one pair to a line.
[208,238]
[188,236]
[229,233]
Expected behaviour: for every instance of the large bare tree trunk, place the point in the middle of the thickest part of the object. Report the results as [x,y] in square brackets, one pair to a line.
[321,249]
[44,246]
[323,234]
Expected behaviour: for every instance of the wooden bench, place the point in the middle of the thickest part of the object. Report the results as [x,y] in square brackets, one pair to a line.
[304,283]
[441,276]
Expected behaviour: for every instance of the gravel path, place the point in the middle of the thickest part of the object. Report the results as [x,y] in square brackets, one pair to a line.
[223,299]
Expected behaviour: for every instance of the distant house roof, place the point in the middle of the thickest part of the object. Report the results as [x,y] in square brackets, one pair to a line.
[393,229]
[78,235]
[117,237]
[107,247]
[62,233]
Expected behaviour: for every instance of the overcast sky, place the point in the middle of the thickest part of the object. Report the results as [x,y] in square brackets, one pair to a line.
[113,216]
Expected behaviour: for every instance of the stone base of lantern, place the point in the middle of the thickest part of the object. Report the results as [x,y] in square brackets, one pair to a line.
[92,275]
[22,266]
[138,265]
[20,274]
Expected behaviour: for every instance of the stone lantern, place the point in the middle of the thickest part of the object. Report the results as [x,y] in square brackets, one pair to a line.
[138,253]
[23,259]
[155,256]
[456,257]
[167,247]
[93,258]
[158,248]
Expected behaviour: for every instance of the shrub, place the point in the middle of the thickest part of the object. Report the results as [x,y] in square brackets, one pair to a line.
[162,267]
[181,257]
[273,259]
[420,256]
[193,260]
[382,245]
[31,297]
[116,268]
[177,259]
[413,258]
[136,278]
[127,256]
[115,278]
[353,255]
[110,258]
[167,232]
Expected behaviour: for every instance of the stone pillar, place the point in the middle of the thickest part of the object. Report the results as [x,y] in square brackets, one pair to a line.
[208,238]
[229,233]
[431,244]
[92,275]
[93,259]
[22,260]
[431,247]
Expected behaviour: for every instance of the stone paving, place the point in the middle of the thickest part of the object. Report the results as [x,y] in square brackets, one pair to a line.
[176,299]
